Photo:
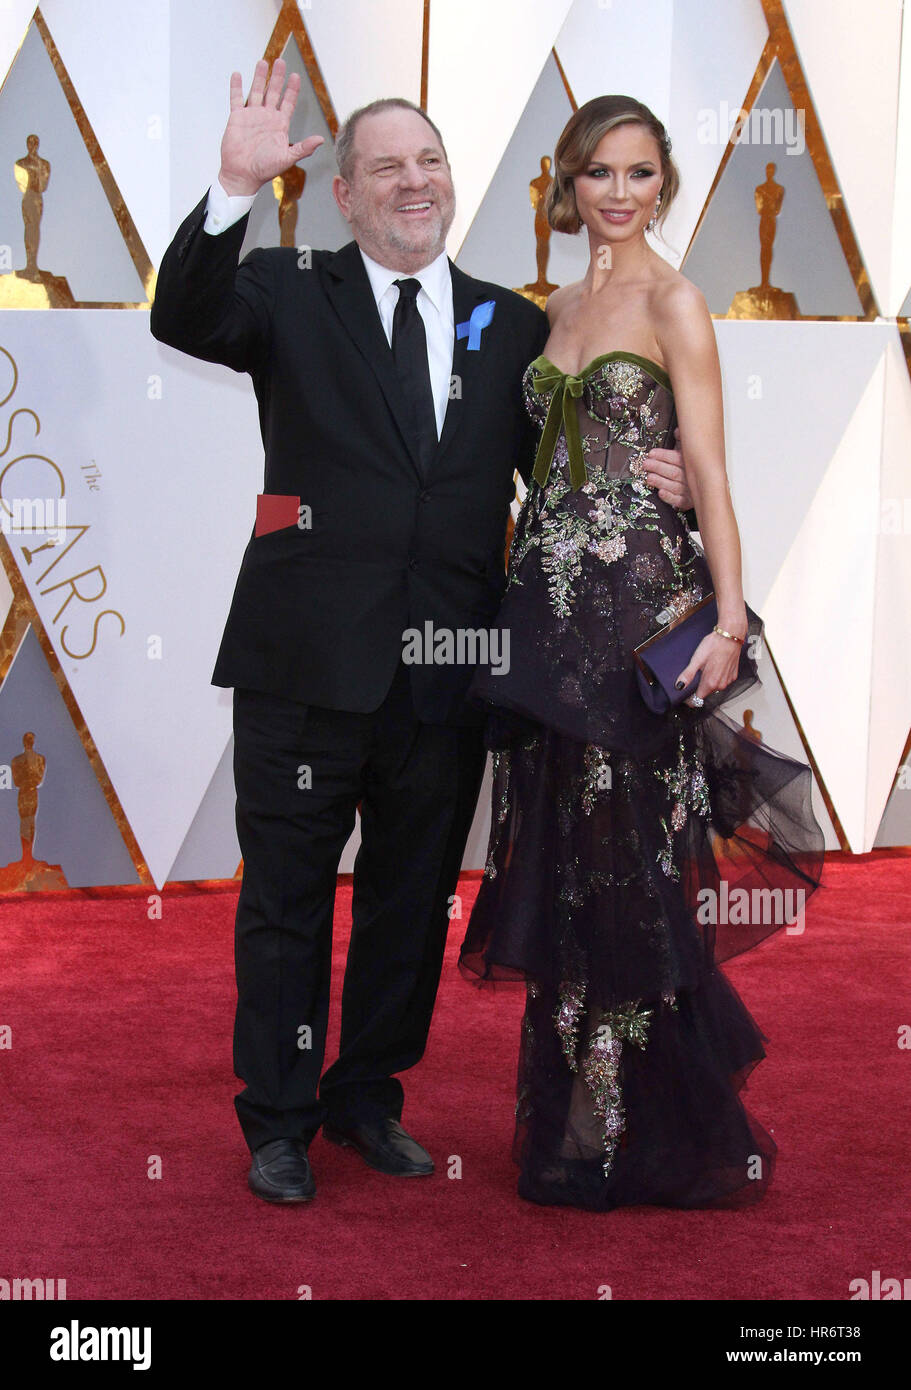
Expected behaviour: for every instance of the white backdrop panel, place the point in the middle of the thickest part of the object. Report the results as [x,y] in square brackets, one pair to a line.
[118,58]
[810,455]
[679,57]
[79,235]
[900,283]
[484,61]
[891,628]
[367,49]
[809,378]
[850,59]
[619,47]
[715,49]
[807,257]
[500,244]
[895,826]
[14,20]
[820,613]
[210,39]
[179,476]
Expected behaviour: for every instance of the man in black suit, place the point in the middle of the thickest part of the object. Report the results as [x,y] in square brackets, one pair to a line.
[388,385]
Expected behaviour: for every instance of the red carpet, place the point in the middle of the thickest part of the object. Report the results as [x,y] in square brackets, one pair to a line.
[121,1048]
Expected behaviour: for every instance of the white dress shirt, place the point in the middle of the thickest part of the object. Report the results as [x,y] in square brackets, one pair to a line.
[434,299]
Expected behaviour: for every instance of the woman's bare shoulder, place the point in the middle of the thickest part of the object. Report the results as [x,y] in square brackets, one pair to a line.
[558,300]
[675,299]
[680,314]
[683,323]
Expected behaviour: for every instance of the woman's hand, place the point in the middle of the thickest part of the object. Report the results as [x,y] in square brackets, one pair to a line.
[718,658]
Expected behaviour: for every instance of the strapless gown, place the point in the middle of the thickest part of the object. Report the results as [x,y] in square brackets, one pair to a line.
[629,853]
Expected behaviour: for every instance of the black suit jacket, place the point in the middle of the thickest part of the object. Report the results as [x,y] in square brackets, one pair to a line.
[319,614]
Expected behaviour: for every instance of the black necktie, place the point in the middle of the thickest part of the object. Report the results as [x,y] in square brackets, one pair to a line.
[409,349]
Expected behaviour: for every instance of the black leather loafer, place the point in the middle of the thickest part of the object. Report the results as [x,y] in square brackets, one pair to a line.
[280,1172]
[383,1145]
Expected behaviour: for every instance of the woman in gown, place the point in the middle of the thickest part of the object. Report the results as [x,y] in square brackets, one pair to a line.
[629,852]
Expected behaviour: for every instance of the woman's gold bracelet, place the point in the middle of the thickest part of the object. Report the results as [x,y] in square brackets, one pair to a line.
[721,633]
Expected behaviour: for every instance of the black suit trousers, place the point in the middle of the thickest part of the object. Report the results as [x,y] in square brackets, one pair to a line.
[300,772]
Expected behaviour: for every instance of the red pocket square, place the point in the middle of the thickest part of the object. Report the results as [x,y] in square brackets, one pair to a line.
[274,512]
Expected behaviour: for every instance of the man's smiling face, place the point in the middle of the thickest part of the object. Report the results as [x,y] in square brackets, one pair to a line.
[399,199]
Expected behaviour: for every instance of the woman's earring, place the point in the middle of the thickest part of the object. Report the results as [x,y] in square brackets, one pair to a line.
[653,221]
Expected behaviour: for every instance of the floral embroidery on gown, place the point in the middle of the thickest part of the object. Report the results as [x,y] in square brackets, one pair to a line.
[629,853]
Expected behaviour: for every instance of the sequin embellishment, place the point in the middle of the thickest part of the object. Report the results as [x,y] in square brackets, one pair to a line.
[688,792]
[601,1071]
[569,1011]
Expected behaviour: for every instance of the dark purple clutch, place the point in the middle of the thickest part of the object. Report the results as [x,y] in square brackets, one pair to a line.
[661,657]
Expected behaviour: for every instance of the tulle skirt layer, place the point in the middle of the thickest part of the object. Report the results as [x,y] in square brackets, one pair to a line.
[614,886]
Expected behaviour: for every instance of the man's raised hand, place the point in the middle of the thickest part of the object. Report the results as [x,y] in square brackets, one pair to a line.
[254,147]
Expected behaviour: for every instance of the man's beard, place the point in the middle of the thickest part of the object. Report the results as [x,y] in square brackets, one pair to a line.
[384,234]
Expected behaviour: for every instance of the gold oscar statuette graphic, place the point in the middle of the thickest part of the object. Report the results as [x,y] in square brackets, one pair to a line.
[749,728]
[288,188]
[731,851]
[32,874]
[539,290]
[33,288]
[765,301]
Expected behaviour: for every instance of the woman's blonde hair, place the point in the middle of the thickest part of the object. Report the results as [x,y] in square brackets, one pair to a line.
[576,147]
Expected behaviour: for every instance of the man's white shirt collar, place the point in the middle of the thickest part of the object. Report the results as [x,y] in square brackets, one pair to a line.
[436,281]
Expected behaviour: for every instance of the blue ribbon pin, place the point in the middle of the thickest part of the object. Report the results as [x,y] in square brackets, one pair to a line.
[480,318]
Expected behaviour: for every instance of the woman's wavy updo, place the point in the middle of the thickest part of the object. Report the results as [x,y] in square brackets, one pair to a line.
[576,149]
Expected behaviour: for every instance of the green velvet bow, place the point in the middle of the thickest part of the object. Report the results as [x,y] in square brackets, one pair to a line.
[566,391]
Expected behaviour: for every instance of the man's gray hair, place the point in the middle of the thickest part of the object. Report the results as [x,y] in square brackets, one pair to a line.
[344,140]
